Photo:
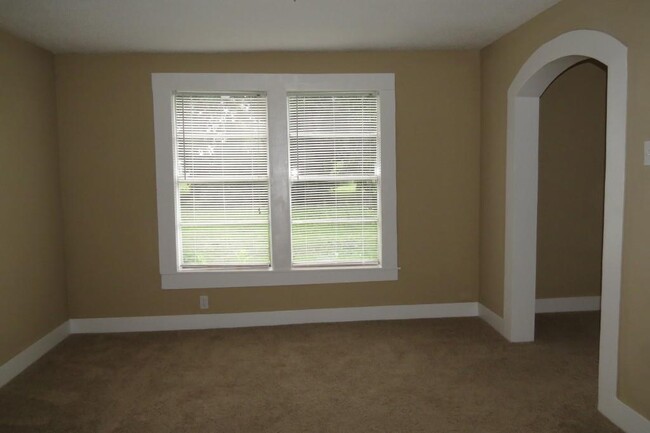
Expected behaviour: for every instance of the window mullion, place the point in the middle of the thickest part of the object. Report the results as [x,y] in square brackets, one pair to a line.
[279,174]
[388,200]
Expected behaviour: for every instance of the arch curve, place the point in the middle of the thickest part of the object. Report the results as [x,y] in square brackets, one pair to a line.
[543,66]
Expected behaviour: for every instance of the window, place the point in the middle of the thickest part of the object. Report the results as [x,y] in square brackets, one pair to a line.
[334,169]
[273,179]
[222,179]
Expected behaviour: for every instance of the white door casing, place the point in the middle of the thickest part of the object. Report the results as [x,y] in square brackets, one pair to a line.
[544,66]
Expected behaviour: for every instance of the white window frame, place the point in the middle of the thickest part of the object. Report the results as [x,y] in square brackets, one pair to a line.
[276,87]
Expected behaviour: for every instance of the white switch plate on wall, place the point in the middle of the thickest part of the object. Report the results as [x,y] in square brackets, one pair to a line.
[646,153]
[203,302]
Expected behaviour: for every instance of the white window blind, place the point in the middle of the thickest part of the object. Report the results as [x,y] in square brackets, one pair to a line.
[222,179]
[334,143]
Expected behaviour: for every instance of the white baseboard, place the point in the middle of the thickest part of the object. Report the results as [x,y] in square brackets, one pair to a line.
[623,416]
[565,305]
[271,318]
[20,362]
[619,413]
[492,319]
[550,305]
[27,357]
[289,317]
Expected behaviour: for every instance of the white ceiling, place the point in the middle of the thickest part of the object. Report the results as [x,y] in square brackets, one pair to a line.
[65,26]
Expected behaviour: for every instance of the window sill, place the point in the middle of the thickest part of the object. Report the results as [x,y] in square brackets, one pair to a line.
[254,278]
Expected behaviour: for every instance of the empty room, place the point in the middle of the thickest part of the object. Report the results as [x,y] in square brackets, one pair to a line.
[325,216]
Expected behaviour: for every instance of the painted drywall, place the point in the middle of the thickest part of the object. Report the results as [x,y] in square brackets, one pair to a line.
[109,191]
[573,114]
[625,20]
[32,282]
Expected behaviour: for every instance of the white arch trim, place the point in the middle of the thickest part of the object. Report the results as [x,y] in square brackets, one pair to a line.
[546,64]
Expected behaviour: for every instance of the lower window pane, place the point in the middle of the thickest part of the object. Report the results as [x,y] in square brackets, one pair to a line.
[332,243]
[226,245]
[334,223]
[224,224]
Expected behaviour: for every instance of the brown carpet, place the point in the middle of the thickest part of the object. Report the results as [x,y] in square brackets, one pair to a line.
[449,375]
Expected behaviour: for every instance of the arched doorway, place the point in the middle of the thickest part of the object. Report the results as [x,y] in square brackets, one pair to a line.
[546,64]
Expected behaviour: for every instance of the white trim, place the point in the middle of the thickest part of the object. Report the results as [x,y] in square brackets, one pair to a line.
[272,318]
[206,280]
[619,413]
[276,87]
[565,305]
[491,318]
[549,305]
[623,416]
[27,357]
[543,66]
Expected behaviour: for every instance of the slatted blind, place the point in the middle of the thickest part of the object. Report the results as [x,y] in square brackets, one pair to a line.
[222,179]
[334,144]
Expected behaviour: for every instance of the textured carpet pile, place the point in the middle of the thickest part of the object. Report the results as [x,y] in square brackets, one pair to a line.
[448,375]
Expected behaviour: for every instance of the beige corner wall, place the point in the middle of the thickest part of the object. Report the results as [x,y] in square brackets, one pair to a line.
[626,20]
[572,123]
[108,174]
[32,292]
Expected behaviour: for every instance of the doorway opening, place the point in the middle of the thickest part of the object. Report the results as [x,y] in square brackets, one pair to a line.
[571,182]
[570,202]
[522,165]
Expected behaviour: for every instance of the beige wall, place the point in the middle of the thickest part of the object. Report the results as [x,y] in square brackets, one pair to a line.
[107,154]
[32,292]
[573,113]
[627,21]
